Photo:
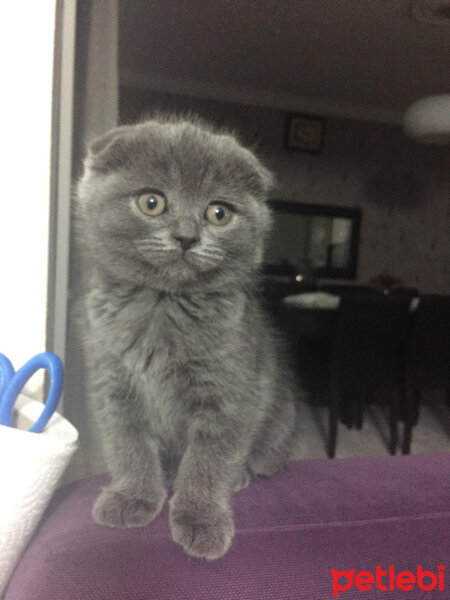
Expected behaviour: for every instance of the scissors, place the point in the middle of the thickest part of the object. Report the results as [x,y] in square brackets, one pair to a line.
[11,383]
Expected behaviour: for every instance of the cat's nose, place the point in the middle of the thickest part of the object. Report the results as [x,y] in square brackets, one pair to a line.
[186,242]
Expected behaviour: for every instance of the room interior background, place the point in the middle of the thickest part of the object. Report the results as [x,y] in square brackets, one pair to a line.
[401,187]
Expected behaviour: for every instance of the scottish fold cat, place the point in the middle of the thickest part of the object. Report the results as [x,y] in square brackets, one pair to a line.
[190,380]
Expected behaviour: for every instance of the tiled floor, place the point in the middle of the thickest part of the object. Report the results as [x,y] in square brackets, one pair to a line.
[432,434]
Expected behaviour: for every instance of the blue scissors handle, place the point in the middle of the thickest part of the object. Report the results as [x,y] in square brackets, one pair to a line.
[6,372]
[16,381]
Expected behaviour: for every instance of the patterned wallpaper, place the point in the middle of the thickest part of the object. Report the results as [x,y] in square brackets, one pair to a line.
[402,188]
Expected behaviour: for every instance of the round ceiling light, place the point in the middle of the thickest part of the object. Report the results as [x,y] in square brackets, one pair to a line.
[428,119]
[436,12]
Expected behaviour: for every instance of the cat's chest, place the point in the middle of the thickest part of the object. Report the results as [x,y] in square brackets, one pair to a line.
[167,345]
[161,336]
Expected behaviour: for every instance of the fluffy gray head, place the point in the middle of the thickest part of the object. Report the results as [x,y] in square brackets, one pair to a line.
[174,205]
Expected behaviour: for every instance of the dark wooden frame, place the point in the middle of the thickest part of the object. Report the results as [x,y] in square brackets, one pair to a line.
[294,148]
[354,214]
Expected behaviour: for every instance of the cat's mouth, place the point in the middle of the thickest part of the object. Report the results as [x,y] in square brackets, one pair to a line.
[195,260]
[197,263]
[192,259]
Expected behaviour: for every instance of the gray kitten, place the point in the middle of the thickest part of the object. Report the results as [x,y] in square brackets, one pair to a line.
[190,385]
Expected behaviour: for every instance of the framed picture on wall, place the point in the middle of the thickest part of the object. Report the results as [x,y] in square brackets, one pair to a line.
[305,133]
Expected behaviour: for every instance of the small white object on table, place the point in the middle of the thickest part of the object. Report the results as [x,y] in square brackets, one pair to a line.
[325,301]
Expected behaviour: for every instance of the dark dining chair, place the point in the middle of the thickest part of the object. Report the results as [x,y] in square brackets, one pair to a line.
[427,365]
[367,359]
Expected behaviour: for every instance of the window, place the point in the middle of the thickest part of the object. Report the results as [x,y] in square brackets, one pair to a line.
[27,38]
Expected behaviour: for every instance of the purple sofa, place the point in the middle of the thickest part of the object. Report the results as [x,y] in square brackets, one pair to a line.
[291,532]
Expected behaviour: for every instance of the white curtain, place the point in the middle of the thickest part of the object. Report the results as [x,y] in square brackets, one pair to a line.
[96,97]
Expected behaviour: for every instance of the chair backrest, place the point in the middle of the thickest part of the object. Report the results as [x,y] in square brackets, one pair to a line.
[369,342]
[428,354]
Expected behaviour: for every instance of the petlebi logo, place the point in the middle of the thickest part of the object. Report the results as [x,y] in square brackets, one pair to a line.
[388,580]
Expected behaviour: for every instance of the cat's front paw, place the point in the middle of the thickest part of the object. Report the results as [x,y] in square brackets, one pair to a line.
[119,509]
[242,481]
[203,533]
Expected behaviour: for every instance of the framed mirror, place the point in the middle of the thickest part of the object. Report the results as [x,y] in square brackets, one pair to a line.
[314,240]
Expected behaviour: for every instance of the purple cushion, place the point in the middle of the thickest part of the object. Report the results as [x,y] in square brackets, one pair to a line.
[290,531]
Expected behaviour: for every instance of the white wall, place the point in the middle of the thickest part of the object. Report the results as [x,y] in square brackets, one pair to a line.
[26,72]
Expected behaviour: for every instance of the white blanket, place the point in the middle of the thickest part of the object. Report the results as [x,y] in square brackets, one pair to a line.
[31,464]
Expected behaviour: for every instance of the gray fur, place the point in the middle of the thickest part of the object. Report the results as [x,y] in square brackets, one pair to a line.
[189,378]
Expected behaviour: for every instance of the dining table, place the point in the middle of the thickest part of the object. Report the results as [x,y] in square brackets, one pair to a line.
[309,320]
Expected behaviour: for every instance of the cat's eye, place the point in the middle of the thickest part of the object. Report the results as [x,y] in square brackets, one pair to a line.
[151,203]
[218,214]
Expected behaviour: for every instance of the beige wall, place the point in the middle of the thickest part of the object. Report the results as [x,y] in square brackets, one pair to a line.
[402,189]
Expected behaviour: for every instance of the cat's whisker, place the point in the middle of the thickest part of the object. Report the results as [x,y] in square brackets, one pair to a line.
[209,249]
[205,253]
[246,281]
[149,244]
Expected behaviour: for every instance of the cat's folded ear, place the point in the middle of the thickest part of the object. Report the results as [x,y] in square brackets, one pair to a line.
[268,179]
[108,152]
[263,180]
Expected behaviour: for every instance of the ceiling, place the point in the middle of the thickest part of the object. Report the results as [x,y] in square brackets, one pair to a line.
[364,59]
